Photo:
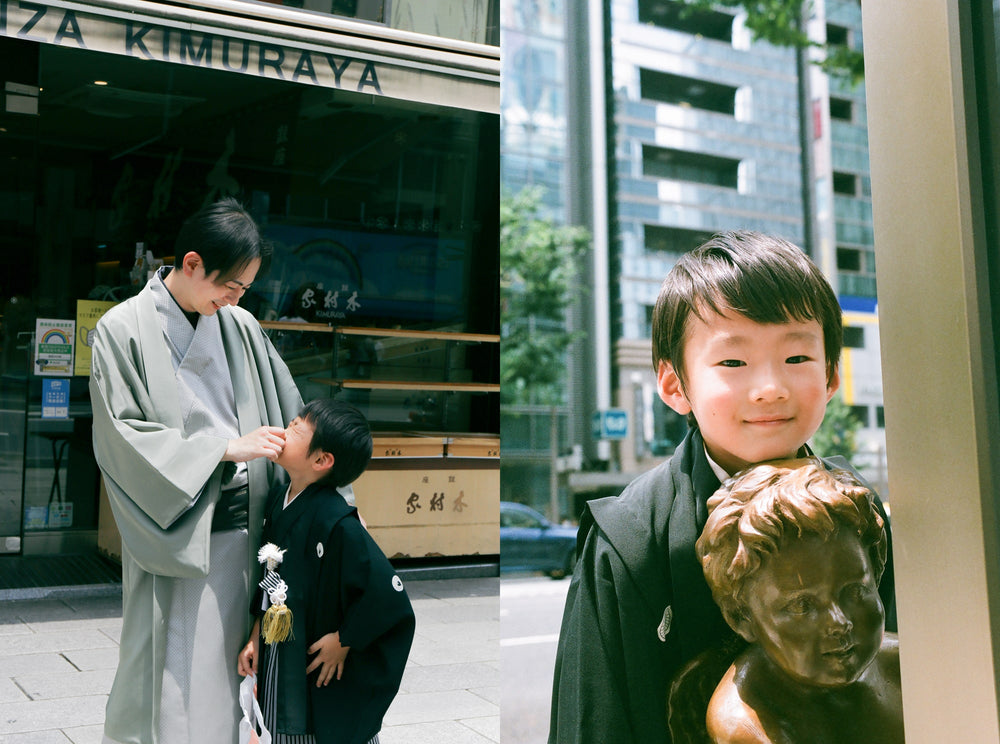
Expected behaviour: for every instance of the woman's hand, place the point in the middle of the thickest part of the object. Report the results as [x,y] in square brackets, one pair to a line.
[265,441]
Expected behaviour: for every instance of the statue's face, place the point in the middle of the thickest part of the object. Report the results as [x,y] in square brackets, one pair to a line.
[814,609]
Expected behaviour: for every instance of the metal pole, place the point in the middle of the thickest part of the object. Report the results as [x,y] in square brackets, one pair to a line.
[808,169]
[553,469]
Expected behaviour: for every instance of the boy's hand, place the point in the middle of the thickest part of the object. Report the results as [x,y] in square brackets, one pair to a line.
[246,662]
[264,441]
[329,658]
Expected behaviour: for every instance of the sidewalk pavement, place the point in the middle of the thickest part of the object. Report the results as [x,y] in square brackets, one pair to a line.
[58,654]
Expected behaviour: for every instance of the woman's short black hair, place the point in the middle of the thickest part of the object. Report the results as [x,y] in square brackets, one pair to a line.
[226,237]
[343,431]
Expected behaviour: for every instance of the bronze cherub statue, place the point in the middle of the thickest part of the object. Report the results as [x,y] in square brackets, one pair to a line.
[793,554]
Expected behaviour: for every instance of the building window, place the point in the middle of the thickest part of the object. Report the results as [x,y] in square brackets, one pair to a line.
[684,91]
[675,240]
[837,35]
[845,183]
[880,417]
[861,414]
[711,24]
[842,109]
[854,337]
[849,259]
[679,165]
[856,285]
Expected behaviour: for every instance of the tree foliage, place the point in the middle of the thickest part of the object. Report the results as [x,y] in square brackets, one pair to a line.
[837,435]
[538,263]
[779,22]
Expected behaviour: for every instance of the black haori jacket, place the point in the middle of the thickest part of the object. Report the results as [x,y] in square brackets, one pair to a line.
[638,606]
[338,580]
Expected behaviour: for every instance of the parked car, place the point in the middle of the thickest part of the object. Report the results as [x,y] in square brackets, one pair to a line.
[529,542]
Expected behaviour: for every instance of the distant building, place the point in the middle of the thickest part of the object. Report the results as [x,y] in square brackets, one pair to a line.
[680,126]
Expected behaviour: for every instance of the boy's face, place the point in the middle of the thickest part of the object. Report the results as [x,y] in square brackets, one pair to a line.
[814,610]
[757,390]
[298,437]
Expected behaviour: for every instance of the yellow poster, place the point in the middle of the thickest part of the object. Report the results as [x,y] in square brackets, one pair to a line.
[88,312]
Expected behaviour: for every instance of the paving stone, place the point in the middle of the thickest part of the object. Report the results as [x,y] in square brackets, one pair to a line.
[63,640]
[44,715]
[85,734]
[438,706]
[89,660]
[52,736]
[54,649]
[478,630]
[438,732]
[51,663]
[50,686]
[439,677]
[427,654]
[441,612]
[488,726]
[491,693]
[10,692]
[14,627]
[15,610]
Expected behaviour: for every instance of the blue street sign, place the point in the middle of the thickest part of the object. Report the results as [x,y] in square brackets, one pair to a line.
[611,423]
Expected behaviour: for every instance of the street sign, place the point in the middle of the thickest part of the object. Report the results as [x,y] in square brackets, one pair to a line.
[611,423]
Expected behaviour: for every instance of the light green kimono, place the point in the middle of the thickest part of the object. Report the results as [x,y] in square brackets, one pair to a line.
[163,483]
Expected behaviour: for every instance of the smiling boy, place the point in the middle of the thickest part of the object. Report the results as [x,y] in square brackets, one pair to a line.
[793,554]
[747,336]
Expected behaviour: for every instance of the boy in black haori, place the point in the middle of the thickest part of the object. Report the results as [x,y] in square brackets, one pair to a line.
[336,621]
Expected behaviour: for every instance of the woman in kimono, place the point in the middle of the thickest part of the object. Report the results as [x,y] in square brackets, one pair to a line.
[190,400]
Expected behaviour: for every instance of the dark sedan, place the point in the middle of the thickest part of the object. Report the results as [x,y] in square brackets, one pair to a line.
[529,542]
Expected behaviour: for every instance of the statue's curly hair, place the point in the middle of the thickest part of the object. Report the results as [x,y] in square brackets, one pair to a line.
[753,512]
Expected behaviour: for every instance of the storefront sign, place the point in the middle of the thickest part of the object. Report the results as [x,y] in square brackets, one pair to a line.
[55,398]
[208,40]
[88,312]
[54,347]
[611,423]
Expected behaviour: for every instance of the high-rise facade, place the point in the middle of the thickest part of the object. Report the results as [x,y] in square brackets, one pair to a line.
[533,152]
[680,125]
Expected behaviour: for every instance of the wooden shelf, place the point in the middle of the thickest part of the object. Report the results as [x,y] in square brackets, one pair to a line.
[451,387]
[295,325]
[486,338]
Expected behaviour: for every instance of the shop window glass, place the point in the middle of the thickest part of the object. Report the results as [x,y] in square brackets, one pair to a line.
[382,215]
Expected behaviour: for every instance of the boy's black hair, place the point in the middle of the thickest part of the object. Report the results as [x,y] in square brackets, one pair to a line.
[226,237]
[343,431]
[761,277]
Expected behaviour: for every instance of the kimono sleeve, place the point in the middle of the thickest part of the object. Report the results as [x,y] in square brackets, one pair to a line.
[373,599]
[158,469]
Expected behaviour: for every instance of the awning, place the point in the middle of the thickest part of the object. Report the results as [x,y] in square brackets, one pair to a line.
[271,42]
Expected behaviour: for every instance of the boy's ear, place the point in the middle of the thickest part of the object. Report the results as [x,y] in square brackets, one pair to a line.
[668,385]
[739,620]
[322,461]
[833,385]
